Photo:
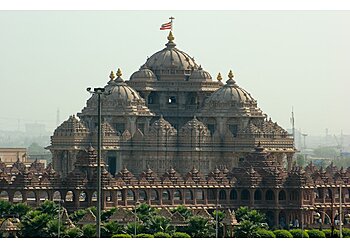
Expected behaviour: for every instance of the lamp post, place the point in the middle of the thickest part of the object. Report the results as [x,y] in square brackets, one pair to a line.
[317,216]
[98,92]
[135,231]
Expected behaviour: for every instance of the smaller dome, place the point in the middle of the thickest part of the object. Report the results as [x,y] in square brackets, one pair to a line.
[162,126]
[200,75]
[71,127]
[122,92]
[143,75]
[230,92]
[195,127]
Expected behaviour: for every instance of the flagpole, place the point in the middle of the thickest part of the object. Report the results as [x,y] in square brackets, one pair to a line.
[171,20]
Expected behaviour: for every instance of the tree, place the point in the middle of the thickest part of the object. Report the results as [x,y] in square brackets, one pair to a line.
[250,221]
[20,209]
[34,224]
[110,228]
[89,231]
[158,224]
[184,211]
[5,208]
[200,227]
[74,232]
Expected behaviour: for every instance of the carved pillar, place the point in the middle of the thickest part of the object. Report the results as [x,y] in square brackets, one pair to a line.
[251,201]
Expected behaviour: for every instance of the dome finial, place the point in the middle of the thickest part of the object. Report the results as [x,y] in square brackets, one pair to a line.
[171,37]
[230,75]
[112,75]
[119,72]
[219,77]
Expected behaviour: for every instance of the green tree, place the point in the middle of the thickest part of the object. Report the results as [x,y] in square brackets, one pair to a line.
[200,227]
[34,224]
[89,231]
[20,209]
[184,211]
[77,215]
[107,213]
[145,212]
[74,232]
[5,208]
[246,229]
[130,228]
[250,221]
[110,228]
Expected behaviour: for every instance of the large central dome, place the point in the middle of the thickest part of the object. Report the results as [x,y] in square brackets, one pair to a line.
[171,60]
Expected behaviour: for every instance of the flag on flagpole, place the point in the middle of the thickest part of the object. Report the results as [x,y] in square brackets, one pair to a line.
[166,26]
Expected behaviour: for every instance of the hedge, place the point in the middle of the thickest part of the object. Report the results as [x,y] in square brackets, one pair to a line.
[263,233]
[315,233]
[328,233]
[282,234]
[161,235]
[121,236]
[144,236]
[298,233]
[181,235]
[346,232]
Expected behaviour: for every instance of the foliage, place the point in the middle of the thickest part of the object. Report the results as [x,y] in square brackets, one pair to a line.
[264,233]
[144,236]
[246,229]
[200,227]
[5,208]
[180,235]
[346,232]
[77,215]
[20,209]
[241,212]
[145,212]
[89,231]
[51,228]
[74,232]
[282,234]
[184,211]
[158,224]
[111,228]
[121,236]
[315,233]
[34,224]
[107,213]
[328,233]
[161,235]
[298,233]
[50,208]
[130,228]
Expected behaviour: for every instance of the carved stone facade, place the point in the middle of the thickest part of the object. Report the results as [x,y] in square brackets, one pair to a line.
[171,113]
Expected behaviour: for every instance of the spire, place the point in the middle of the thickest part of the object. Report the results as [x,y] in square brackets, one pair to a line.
[119,74]
[171,37]
[230,81]
[219,77]
[112,75]
[170,43]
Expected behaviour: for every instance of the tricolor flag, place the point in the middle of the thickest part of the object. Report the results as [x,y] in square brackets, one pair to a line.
[166,26]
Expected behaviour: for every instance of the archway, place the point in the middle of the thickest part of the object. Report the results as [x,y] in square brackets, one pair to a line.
[269,196]
[166,195]
[188,194]
[83,197]
[130,195]
[4,196]
[282,195]
[142,195]
[69,196]
[233,194]
[154,195]
[282,219]
[222,195]
[199,194]
[17,197]
[56,196]
[177,195]
[94,196]
[270,218]
[31,197]
[257,195]
[43,195]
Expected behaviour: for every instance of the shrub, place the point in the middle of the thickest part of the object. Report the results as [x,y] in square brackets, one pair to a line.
[282,234]
[315,233]
[144,236]
[121,236]
[263,233]
[328,233]
[298,233]
[73,233]
[181,235]
[346,232]
[161,235]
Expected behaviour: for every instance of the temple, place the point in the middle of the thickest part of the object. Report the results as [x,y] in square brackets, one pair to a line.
[172,135]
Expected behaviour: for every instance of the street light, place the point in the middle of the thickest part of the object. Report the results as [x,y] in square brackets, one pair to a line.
[98,92]
[317,216]
[136,204]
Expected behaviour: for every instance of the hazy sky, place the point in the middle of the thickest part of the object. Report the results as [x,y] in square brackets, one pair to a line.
[283,58]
